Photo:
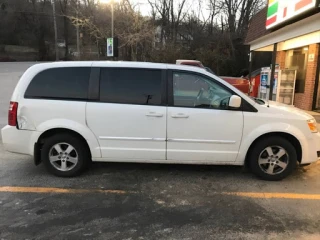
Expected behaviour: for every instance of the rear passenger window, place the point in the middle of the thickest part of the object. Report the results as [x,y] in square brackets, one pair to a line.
[130,86]
[60,83]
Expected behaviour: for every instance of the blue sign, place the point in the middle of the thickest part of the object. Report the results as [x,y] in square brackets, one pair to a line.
[263,82]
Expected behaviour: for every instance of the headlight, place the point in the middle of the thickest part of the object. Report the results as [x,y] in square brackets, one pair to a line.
[312,123]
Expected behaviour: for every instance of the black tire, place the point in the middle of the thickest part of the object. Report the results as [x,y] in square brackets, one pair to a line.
[81,151]
[290,158]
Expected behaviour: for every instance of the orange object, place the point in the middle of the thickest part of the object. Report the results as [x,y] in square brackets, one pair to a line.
[240,83]
[255,83]
[313,126]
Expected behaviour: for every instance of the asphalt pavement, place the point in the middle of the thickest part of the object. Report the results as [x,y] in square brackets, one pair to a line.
[150,201]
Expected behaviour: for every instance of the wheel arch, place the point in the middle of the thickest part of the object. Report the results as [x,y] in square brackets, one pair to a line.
[292,139]
[54,131]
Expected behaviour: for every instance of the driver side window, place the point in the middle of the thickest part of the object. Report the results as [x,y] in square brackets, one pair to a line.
[192,90]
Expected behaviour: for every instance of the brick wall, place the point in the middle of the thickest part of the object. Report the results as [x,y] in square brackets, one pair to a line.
[304,100]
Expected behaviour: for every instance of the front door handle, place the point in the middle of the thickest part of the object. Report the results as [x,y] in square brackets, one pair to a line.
[180,115]
[153,114]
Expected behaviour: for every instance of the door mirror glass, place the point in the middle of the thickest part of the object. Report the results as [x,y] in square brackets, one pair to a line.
[235,101]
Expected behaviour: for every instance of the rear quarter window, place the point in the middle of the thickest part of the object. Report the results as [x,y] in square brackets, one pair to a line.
[130,86]
[60,83]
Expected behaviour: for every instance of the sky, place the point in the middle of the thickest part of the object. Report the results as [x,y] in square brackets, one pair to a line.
[145,8]
[143,5]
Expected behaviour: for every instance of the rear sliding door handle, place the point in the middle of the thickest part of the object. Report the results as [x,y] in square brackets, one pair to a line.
[180,115]
[153,114]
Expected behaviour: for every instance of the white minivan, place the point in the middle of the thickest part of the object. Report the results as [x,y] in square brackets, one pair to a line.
[68,114]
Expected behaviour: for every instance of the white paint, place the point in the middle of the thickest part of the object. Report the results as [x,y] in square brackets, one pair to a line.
[300,41]
[296,42]
[222,130]
[125,130]
[120,132]
[235,102]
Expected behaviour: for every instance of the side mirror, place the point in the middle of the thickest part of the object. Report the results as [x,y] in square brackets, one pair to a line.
[235,101]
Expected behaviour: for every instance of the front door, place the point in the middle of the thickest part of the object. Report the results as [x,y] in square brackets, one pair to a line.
[130,118]
[200,125]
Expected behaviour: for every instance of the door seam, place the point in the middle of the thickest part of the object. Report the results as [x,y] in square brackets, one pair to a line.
[166,133]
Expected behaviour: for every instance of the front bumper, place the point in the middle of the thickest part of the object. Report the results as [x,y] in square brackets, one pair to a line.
[18,141]
[311,152]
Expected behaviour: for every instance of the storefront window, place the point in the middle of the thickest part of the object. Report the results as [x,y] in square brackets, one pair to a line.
[296,59]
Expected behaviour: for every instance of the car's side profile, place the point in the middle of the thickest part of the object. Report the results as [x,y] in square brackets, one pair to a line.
[69,114]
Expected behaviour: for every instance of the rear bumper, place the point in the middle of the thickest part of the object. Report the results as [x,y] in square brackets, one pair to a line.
[18,141]
[312,151]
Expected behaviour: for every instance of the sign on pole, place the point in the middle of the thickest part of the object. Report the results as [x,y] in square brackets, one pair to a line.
[110,47]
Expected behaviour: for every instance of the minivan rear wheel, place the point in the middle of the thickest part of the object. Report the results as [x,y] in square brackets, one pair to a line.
[65,155]
[273,158]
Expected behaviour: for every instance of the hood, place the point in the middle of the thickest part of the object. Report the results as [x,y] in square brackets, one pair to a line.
[289,109]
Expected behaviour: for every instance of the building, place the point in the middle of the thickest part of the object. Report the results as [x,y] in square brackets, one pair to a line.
[291,30]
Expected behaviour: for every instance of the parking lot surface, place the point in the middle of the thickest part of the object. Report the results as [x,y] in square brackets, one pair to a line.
[150,201]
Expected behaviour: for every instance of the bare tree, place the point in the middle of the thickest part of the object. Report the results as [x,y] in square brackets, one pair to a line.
[64,7]
[40,29]
[239,12]
[170,14]
[214,9]
[236,14]
[209,30]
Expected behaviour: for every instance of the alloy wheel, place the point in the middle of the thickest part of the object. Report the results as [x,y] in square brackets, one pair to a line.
[273,160]
[63,157]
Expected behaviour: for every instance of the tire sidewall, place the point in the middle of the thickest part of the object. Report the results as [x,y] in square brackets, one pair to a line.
[73,141]
[267,142]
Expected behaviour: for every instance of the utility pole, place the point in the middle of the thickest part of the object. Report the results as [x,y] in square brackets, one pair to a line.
[78,42]
[112,19]
[273,70]
[78,33]
[112,25]
[55,29]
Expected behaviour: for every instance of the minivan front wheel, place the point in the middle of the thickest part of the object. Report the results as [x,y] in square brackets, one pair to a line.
[273,158]
[65,155]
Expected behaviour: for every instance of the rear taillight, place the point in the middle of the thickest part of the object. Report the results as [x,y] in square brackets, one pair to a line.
[12,116]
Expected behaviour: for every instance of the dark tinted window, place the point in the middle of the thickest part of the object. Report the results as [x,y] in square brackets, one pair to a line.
[60,83]
[130,86]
